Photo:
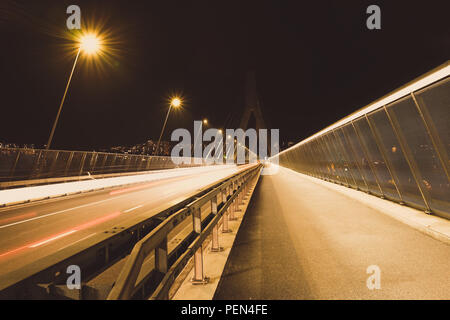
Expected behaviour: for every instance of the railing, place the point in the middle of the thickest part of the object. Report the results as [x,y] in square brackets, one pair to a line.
[396,148]
[223,200]
[46,277]
[24,166]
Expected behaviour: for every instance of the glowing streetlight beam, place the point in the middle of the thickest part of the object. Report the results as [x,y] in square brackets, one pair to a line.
[175,102]
[90,44]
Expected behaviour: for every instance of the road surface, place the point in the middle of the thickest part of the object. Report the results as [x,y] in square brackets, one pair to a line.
[32,231]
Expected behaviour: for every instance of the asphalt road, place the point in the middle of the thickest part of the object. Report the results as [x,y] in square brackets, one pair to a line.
[301,240]
[32,231]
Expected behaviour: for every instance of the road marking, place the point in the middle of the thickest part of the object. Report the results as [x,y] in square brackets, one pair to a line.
[69,209]
[129,210]
[94,203]
[26,215]
[63,234]
[51,239]
[53,213]
[77,241]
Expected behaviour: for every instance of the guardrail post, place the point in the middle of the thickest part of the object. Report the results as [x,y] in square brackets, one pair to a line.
[102,166]
[238,198]
[246,186]
[233,206]
[161,257]
[36,166]
[68,164]
[225,214]
[11,174]
[93,162]
[224,195]
[215,247]
[199,277]
[83,160]
[225,228]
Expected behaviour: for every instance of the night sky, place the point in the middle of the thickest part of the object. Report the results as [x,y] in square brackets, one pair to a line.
[315,62]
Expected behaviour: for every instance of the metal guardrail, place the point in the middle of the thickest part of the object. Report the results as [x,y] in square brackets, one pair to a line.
[46,277]
[19,167]
[224,200]
[396,148]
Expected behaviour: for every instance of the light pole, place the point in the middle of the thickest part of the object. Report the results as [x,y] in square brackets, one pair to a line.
[89,44]
[175,102]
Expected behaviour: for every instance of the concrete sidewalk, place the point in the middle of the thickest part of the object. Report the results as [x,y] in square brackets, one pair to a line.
[304,239]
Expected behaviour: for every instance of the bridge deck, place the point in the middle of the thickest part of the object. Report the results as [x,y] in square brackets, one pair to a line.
[302,240]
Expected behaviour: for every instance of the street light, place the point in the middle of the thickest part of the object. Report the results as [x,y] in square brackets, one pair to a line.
[90,44]
[205,121]
[175,102]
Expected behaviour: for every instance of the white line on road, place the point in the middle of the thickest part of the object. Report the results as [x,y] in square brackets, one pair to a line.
[51,239]
[77,207]
[53,213]
[131,209]
[78,241]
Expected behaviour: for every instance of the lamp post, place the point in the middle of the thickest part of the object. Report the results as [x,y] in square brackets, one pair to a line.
[90,44]
[175,102]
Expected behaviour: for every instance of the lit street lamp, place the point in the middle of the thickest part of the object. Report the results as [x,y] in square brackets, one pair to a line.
[175,102]
[90,44]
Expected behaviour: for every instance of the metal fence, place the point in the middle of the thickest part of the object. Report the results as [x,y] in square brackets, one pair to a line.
[32,164]
[47,277]
[223,201]
[396,148]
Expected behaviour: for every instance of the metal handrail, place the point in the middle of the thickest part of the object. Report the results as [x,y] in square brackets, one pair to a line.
[44,276]
[23,167]
[395,148]
[156,241]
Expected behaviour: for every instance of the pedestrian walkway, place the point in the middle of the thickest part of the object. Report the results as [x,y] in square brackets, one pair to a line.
[303,240]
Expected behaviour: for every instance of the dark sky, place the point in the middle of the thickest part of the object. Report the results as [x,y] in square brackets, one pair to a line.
[315,62]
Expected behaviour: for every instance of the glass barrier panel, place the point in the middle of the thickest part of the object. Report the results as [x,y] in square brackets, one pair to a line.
[435,99]
[363,162]
[405,180]
[351,166]
[434,179]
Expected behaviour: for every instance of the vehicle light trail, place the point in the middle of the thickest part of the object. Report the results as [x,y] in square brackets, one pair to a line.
[14,219]
[62,234]
[37,244]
